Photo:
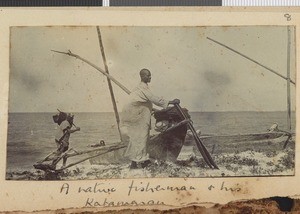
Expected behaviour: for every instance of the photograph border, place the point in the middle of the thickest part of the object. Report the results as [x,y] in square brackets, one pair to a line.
[202,191]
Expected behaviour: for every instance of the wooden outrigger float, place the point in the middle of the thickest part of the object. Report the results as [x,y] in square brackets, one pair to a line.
[52,166]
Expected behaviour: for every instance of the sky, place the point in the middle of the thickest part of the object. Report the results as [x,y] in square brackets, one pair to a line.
[184,64]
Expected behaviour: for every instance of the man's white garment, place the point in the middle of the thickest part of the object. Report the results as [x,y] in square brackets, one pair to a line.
[136,116]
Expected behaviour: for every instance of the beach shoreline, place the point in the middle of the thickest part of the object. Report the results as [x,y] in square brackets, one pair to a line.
[235,164]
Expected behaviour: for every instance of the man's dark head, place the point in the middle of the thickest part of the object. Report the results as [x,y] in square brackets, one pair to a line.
[145,75]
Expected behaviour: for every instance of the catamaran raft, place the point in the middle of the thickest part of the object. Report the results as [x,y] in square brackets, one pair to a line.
[172,125]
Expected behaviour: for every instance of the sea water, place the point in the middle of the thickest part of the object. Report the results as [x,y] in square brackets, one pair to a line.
[31,135]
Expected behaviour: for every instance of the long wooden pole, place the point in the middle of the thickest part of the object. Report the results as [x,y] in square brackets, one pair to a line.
[96,67]
[289,123]
[202,149]
[256,62]
[287,78]
[109,82]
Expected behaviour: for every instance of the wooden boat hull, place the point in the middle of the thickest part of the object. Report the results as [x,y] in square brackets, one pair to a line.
[166,147]
[162,147]
[238,143]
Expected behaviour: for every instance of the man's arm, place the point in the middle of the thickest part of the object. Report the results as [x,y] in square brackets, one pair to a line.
[159,101]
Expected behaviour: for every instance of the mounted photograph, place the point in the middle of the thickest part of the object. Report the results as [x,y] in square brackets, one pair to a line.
[105,102]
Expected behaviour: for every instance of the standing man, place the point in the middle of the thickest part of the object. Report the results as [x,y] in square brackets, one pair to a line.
[63,134]
[65,123]
[136,118]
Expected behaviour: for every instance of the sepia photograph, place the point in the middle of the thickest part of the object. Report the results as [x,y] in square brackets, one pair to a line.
[115,102]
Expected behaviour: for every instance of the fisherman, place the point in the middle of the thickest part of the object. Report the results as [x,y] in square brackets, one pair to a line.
[135,123]
[63,134]
[65,123]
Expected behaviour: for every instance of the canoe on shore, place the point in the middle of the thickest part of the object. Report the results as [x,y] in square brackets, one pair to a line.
[215,144]
[245,142]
